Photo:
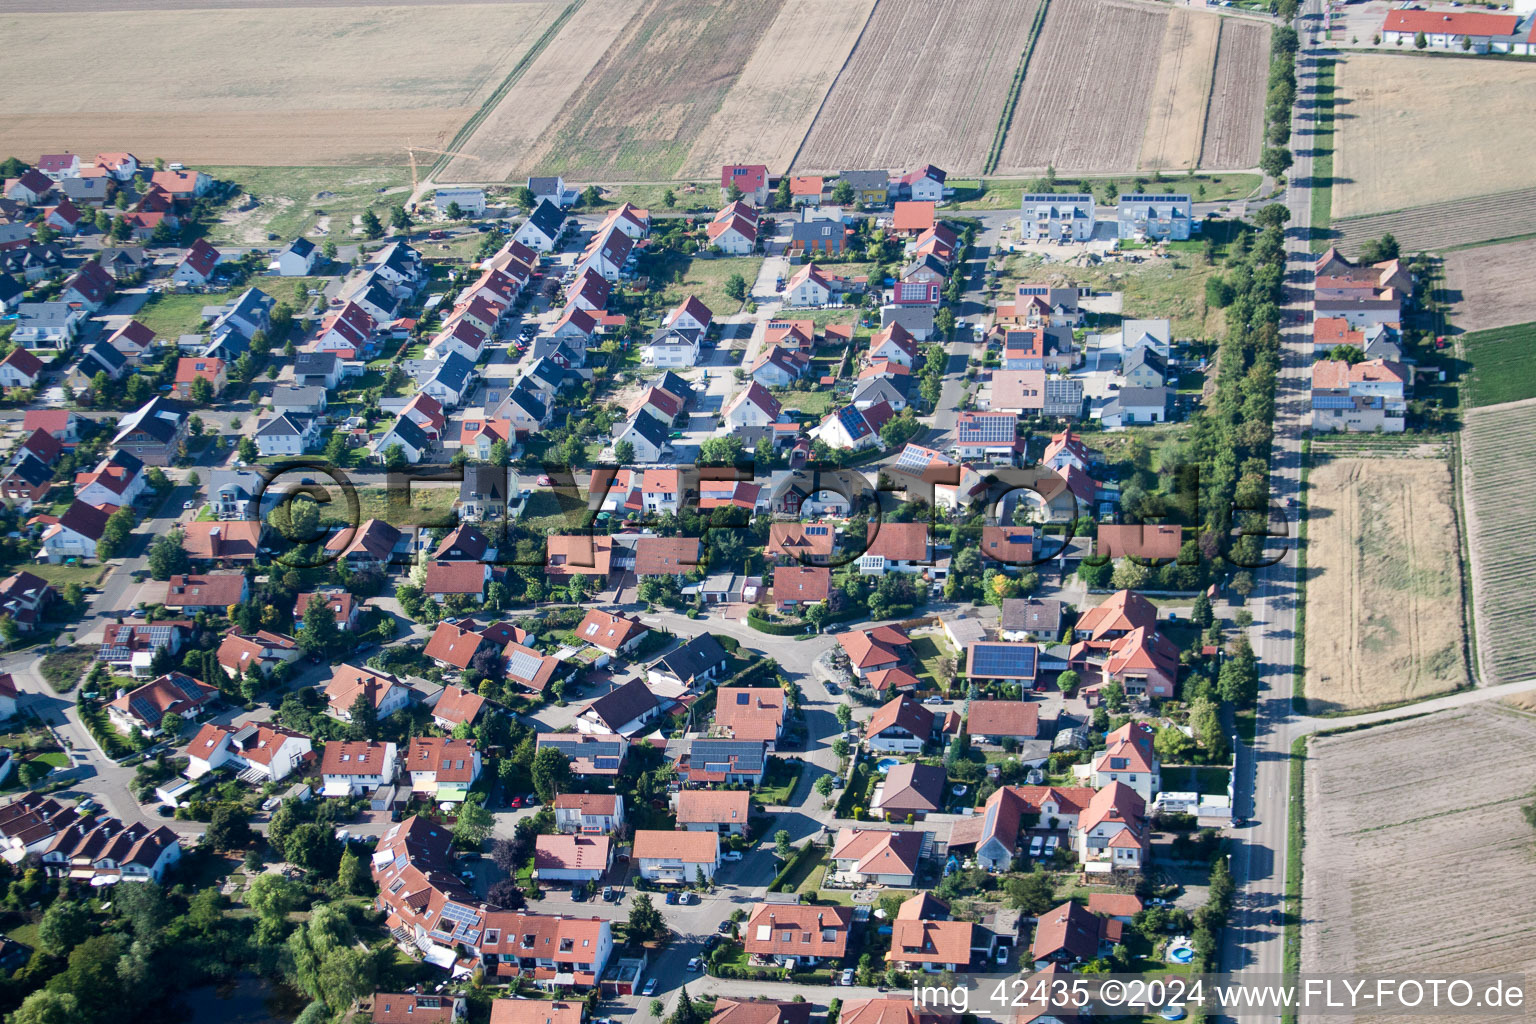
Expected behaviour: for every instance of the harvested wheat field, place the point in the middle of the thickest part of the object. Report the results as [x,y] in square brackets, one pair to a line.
[294,86]
[1084,103]
[766,114]
[497,145]
[1499,471]
[1175,125]
[1490,286]
[1390,820]
[1384,620]
[1234,119]
[927,81]
[646,101]
[1404,138]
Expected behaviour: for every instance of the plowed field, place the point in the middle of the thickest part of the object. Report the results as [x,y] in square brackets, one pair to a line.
[927,82]
[1084,103]
[1499,475]
[1183,86]
[1234,121]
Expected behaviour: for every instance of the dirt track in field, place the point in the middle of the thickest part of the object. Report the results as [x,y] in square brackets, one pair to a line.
[1384,619]
[1176,122]
[1392,817]
[1084,103]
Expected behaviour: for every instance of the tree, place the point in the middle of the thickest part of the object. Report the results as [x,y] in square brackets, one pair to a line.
[65,925]
[1380,250]
[1275,161]
[394,457]
[551,771]
[1113,695]
[364,718]
[167,557]
[454,211]
[229,828]
[473,826]
[842,194]
[1242,583]
[1272,216]
[321,633]
[328,250]
[645,923]
[591,196]
[686,1012]
[1172,746]
[1200,612]
[1067,681]
[371,226]
[657,1008]
[1129,575]
[944,321]
[46,1006]
[313,847]
[399,219]
[1033,893]
[202,390]
[115,534]
[1420,41]
[736,287]
[624,453]
[720,451]
[824,786]
[782,847]
[669,200]
[246,449]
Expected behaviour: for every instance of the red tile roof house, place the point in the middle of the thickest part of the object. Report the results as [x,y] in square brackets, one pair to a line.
[589,812]
[758,1010]
[238,652]
[571,858]
[919,942]
[865,856]
[873,650]
[676,857]
[751,180]
[901,725]
[442,768]
[175,696]
[348,682]
[1119,640]
[456,705]
[797,936]
[667,556]
[898,547]
[191,369]
[993,721]
[20,369]
[798,586]
[1071,934]
[445,579]
[346,609]
[419,1008]
[454,647]
[750,713]
[211,592]
[611,632]
[1130,757]
[356,767]
[227,542]
[1112,832]
[262,753]
[714,810]
[910,790]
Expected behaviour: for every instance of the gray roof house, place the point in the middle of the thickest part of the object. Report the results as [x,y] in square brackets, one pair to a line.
[918,320]
[308,400]
[1135,405]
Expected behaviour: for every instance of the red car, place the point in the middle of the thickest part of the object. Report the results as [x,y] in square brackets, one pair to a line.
[517,801]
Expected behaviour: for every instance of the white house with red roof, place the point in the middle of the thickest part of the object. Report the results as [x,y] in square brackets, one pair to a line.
[1369,397]
[754,407]
[65,218]
[1129,757]
[347,332]
[196,267]
[608,254]
[121,166]
[791,935]
[1477,31]
[20,369]
[58,166]
[1112,832]
[29,188]
[876,856]
[925,184]
[894,344]
[90,286]
[117,479]
[591,813]
[348,682]
[808,287]
[690,315]
[259,752]
[750,180]
[734,229]
[351,768]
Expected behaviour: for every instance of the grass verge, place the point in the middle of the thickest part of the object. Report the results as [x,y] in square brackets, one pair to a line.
[1322,158]
[1295,841]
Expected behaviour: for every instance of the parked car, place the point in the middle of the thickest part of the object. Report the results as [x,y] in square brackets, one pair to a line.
[847,977]
[725,927]
[517,801]
[688,899]
[694,965]
[650,987]
[731,855]
[673,898]
[935,699]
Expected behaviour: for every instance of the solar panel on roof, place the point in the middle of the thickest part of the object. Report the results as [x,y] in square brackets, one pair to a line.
[523,665]
[995,661]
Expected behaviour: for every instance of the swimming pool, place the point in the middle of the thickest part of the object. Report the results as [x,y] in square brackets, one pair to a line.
[885,764]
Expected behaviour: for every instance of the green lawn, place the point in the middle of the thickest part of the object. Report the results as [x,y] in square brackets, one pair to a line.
[1172,288]
[1322,159]
[1208,780]
[173,315]
[62,575]
[652,196]
[778,782]
[705,276]
[1502,365]
[292,200]
[930,651]
[812,403]
[429,506]
[544,515]
[1007,193]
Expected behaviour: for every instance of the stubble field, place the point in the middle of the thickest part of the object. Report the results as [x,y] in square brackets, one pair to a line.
[279,86]
[1490,286]
[766,114]
[1175,126]
[1390,821]
[1499,472]
[1083,107]
[643,105]
[1404,137]
[926,82]
[1384,590]
[1234,120]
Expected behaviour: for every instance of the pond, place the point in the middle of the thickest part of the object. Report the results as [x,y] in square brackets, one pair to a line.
[245,999]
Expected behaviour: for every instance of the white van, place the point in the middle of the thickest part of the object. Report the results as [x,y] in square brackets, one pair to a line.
[1050,845]
[1034,846]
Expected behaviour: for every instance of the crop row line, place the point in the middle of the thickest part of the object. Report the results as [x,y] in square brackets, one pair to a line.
[1000,135]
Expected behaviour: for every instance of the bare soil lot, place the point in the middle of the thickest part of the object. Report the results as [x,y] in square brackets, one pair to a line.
[1183,85]
[1384,620]
[927,82]
[1234,119]
[1389,821]
[1404,139]
[766,114]
[1490,286]
[295,85]
[1499,471]
[1083,107]
[640,109]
